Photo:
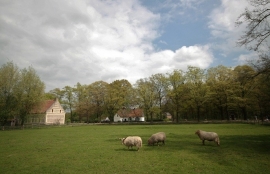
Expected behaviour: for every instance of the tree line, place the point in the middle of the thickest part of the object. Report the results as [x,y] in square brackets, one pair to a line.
[220,93]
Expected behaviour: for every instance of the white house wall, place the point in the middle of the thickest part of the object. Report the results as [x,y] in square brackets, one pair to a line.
[55,114]
[117,118]
[55,119]
[141,118]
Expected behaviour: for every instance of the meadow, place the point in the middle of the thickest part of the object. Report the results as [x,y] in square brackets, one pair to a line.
[245,148]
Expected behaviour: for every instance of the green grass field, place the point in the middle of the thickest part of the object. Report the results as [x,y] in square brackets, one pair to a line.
[244,149]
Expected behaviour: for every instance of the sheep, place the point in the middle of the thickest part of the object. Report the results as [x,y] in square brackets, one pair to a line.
[156,138]
[131,141]
[210,136]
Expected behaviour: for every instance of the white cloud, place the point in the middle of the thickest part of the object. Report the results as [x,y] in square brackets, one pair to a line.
[87,41]
[224,30]
[164,61]
[244,58]
[223,18]
[199,56]
[223,27]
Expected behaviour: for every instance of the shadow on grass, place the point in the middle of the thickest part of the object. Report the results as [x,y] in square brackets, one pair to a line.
[254,143]
[127,150]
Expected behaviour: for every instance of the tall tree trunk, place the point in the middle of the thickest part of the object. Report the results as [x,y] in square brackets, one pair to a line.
[87,115]
[177,112]
[227,112]
[244,112]
[221,112]
[198,113]
[151,117]
[23,116]
[71,116]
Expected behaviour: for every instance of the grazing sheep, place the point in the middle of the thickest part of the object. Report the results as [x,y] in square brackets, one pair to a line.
[210,136]
[131,141]
[156,138]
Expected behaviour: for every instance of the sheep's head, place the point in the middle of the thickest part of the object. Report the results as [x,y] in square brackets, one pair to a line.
[122,140]
[150,142]
[197,132]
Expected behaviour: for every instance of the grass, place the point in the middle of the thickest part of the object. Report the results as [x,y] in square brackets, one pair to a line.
[244,148]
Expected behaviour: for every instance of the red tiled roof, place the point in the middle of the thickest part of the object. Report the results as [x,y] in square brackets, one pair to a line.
[43,107]
[130,112]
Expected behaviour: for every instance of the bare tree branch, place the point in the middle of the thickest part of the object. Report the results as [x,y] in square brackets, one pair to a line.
[258,28]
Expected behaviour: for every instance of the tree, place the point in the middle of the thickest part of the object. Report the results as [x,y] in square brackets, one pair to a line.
[84,106]
[78,90]
[147,97]
[256,36]
[9,78]
[98,92]
[160,85]
[262,96]
[221,84]
[198,89]
[244,88]
[68,100]
[57,93]
[29,93]
[176,91]
[258,28]
[118,96]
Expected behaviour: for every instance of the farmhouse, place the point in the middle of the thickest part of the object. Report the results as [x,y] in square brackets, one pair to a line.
[49,112]
[127,115]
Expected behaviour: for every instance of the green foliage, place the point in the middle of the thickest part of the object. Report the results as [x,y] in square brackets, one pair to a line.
[29,93]
[244,88]
[221,84]
[145,90]
[176,93]
[118,96]
[49,96]
[198,89]
[9,77]
[20,91]
[97,149]
[68,101]
[197,94]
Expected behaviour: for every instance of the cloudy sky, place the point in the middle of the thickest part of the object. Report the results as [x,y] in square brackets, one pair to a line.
[84,41]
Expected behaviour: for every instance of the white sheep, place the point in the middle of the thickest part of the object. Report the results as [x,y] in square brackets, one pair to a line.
[131,141]
[156,138]
[210,136]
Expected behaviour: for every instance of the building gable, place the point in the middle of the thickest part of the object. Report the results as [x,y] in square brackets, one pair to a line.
[127,115]
[50,111]
[55,107]
[136,112]
[43,107]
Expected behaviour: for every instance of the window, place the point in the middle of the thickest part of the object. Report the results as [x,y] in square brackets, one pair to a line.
[52,110]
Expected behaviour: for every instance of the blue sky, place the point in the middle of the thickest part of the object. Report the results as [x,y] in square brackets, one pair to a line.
[186,26]
[91,40]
